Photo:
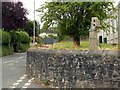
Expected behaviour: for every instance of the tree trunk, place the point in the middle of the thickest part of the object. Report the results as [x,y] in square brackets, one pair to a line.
[76,41]
[15,46]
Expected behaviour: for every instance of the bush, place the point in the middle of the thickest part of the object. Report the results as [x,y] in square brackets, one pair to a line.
[24,47]
[7,50]
[18,38]
[24,37]
[39,40]
[6,38]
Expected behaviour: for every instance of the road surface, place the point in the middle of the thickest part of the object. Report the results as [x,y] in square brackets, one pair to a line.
[14,73]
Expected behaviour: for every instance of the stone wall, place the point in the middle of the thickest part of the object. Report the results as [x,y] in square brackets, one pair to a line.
[74,69]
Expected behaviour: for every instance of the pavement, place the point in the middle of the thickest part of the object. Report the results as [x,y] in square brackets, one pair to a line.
[14,74]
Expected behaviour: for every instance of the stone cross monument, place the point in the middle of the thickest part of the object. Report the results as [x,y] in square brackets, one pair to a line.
[93,40]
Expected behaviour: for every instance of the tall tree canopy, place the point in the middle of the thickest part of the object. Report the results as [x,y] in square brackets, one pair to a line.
[13,15]
[74,18]
[29,27]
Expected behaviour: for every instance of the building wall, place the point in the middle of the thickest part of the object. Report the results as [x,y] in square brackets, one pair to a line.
[112,35]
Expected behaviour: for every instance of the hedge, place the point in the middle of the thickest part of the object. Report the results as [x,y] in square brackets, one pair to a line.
[25,37]
[6,37]
[16,36]
[7,50]
[17,41]
[23,47]
[20,41]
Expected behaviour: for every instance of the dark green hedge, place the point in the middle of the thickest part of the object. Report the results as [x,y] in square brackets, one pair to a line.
[6,37]
[7,50]
[19,39]
[20,36]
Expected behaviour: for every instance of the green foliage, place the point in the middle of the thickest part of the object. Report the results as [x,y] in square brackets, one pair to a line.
[52,36]
[24,37]
[74,18]
[20,37]
[20,41]
[67,45]
[6,37]
[24,47]
[39,40]
[5,47]
[6,50]
[29,28]
[46,82]
[16,36]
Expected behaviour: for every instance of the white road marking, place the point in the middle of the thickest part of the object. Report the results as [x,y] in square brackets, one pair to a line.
[24,87]
[20,57]
[28,83]
[10,61]
[22,77]
[19,81]
[14,85]
[7,62]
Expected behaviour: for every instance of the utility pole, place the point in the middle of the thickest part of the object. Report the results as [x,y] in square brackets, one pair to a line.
[34,26]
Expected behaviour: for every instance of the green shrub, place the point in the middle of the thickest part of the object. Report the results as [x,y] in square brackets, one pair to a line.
[18,39]
[31,39]
[24,47]
[7,50]
[24,37]
[16,36]
[6,38]
[39,40]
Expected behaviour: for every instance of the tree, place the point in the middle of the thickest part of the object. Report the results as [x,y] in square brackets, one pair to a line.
[13,15]
[74,18]
[29,28]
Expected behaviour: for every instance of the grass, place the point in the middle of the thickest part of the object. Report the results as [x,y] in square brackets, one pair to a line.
[68,45]
[6,50]
[108,46]
[83,46]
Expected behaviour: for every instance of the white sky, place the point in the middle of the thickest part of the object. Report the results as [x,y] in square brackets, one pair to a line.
[29,5]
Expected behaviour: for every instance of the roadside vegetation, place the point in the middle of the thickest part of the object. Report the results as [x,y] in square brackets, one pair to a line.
[14,35]
[68,45]
[66,19]
[14,41]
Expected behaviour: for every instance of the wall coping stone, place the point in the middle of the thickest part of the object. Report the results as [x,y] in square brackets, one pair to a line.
[82,52]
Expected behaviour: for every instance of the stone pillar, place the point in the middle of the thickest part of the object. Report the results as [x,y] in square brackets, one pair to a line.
[119,29]
[93,40]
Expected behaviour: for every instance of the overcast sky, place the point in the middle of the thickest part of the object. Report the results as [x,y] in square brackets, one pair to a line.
[29,5]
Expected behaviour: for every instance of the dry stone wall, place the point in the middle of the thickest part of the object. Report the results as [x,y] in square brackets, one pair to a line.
[74,69]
